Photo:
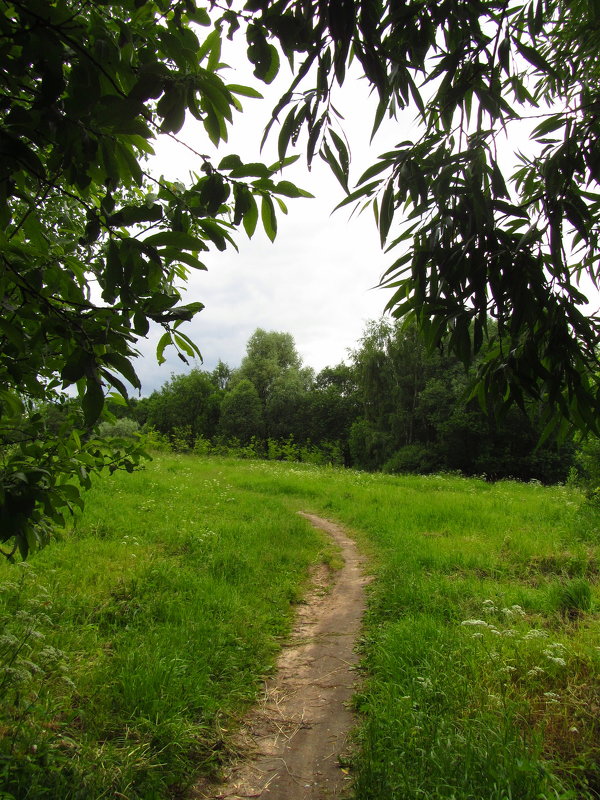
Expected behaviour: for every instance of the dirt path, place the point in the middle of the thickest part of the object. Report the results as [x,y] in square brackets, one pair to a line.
[299,730]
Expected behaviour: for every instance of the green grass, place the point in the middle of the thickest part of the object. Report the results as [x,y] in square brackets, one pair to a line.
[166,604]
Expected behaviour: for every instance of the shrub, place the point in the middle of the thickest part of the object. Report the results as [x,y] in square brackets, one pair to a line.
[417,458]
[124,428]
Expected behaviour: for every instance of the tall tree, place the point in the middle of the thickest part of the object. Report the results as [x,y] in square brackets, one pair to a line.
[269,355]
[189,401]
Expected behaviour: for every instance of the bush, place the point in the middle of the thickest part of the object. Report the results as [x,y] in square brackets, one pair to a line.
[416,458]
[572,598]
[153,440]
[587,462]
[182,439]
[124,428]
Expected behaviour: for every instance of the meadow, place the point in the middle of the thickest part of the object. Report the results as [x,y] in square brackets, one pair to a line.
[131,646]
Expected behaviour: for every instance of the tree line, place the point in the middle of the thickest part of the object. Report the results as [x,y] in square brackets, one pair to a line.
[396,406]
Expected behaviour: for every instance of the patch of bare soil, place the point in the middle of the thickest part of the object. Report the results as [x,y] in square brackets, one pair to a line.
[296,735]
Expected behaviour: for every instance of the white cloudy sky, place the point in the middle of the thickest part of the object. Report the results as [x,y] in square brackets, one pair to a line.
[315,281]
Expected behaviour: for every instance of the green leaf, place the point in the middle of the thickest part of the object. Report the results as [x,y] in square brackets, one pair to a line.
[250,219]
[269,220]
[75,366]
[288,189]
[92,401]
[232,161]
[124,366]
[245,91]
[328,156]
[140,323]
[386,214]
[164,340]
[135,215]
[535,58]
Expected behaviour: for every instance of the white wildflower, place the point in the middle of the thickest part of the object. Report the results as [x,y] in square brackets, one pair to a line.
[534,672]
[535,633]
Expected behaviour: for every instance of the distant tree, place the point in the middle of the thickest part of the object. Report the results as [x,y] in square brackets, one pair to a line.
[287,405]
[417,416]
[269,355]
[221,375]
[242,415]
[334,405]
[189,400]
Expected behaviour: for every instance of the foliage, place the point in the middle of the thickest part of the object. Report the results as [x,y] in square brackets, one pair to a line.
[396,407]
[121,428]
[242,415]
[189,399]
[94,248]
[417,416]
[269,355]
[475,240]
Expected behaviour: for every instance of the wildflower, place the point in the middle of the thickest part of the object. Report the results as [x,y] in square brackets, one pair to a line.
[480,622]
[534,672]
[535,633]
[552,697]
[489,607]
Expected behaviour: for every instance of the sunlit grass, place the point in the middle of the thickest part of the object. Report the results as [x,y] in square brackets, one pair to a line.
[168,601]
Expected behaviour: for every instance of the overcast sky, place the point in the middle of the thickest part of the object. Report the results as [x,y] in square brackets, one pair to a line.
[315,281]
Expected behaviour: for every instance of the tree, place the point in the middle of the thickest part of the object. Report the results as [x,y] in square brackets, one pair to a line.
[94,248]
[242,413]
[188,401]
[333,406]
[269,355]
[417,416]
[474,242]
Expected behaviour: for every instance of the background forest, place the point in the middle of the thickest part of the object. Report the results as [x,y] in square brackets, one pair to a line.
[396,407]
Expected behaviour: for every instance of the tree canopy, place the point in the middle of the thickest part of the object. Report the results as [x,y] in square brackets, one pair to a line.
[94,248]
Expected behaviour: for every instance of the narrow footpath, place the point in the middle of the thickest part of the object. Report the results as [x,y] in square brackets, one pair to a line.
[299,730]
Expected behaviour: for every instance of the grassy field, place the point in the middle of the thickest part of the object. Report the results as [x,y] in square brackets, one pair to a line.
[130,648]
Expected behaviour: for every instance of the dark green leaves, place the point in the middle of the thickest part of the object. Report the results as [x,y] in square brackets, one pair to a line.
[262,54]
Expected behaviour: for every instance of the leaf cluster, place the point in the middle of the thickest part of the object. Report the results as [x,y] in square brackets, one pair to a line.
[94,250]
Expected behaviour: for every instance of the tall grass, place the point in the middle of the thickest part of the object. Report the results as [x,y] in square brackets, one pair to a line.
[165,605]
